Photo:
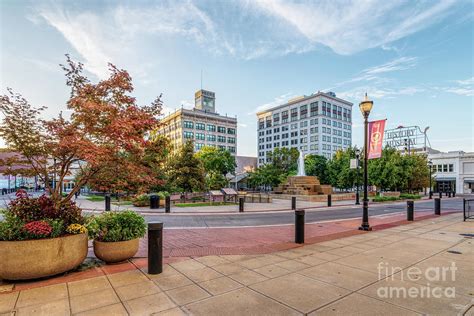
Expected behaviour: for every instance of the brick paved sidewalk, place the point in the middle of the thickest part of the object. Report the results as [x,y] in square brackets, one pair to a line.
[336,277]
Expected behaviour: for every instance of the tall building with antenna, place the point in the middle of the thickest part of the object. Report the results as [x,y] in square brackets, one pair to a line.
[202,124]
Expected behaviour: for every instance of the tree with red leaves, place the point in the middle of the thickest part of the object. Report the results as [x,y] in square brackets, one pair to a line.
[105,125]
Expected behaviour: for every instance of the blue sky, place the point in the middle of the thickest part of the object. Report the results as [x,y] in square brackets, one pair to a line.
[414,58]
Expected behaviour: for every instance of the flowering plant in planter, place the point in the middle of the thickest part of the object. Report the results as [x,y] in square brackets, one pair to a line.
[36,218]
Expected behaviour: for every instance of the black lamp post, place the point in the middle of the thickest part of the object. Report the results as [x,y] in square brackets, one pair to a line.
[430,164]
[365,107]
[358,175]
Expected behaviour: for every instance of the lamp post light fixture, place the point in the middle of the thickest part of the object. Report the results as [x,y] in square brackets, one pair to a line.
[357,176]
[365,107]
[430,164]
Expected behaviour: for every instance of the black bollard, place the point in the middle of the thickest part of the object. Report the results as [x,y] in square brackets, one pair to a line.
[454,193]
[329,200]
[410,210]
[449,194]
[357,198]
[107,202]
[440,194]
[241,204]
[464,209]
[437,205]
[293,202]
[446,194]
[154,201]
[155,248]
[168,204]
[430,195]
[299,226]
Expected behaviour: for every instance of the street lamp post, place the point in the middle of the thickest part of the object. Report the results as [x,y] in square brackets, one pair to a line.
[430,164]
[358,175]
[365,107]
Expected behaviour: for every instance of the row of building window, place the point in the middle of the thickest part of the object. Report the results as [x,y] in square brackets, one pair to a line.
[313,147]
[443,168]
[210,137]
[199,146]
[327,109]
[210,127]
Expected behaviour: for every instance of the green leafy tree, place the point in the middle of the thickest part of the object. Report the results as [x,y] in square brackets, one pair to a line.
[339,172]
[216,160]
[265,176]
[186,172]
[285,159]
[316,165]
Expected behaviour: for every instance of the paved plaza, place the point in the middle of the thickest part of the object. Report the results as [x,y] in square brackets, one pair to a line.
[355,274]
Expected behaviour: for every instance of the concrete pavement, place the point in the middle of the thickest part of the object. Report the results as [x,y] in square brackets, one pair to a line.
[393,271]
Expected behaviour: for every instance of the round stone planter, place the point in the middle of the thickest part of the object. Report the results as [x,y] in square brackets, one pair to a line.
[32,259]
[112,252]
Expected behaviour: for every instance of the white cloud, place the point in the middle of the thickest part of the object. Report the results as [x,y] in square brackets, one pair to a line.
[401,63]
[348,27]
[377,93]
[243,29]
[279,100]
[461,87]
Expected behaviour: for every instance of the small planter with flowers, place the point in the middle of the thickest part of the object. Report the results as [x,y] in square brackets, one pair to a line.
[40,237]
[116,235]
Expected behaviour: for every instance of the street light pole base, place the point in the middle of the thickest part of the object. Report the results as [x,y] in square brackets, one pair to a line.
[365,227]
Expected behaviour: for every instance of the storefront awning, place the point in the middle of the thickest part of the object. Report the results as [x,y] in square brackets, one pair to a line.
[468,180]
[445,179]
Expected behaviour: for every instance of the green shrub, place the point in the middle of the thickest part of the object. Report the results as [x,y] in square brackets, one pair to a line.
[385,198]
[11,228]
[163,194]
[116,226]
[409,196]
[141,200]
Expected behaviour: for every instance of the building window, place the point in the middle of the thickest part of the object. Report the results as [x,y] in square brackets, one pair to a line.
[313,109]
[276,118]
[200,126]
[231,140]
[211,138]
[211,128]
[188,135]
[294,126]
[198,146]
[221,129]
[268,122]
[221,147]
[303,111]
[445,168]
[221,139]
[451,168]
[294,114]
[200,136]
[261,124]
[231,131]
[284,117]
[188,124]
[231,149]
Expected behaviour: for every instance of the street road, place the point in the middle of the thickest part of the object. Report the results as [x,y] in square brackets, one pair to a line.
[287,217]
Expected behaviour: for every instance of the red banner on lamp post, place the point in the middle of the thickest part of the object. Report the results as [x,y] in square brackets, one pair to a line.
[376,131]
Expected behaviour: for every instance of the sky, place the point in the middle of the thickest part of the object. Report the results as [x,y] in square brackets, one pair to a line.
[413,58]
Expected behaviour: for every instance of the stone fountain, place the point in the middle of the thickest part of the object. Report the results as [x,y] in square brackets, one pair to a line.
[301,184]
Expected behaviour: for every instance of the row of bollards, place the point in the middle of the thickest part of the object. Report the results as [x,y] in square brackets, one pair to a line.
[411,209]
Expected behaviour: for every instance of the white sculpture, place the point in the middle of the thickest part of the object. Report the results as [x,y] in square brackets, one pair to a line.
[301,171]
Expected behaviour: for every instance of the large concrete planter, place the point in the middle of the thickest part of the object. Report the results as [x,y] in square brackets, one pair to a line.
[117,251]
[32,259]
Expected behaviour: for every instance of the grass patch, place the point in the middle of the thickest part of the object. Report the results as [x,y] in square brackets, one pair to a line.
[385,198]
[203,204]
[410,196]
[95,198]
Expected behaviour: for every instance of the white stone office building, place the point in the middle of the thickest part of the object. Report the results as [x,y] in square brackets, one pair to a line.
[201,124]
[453,171]
[317,124]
